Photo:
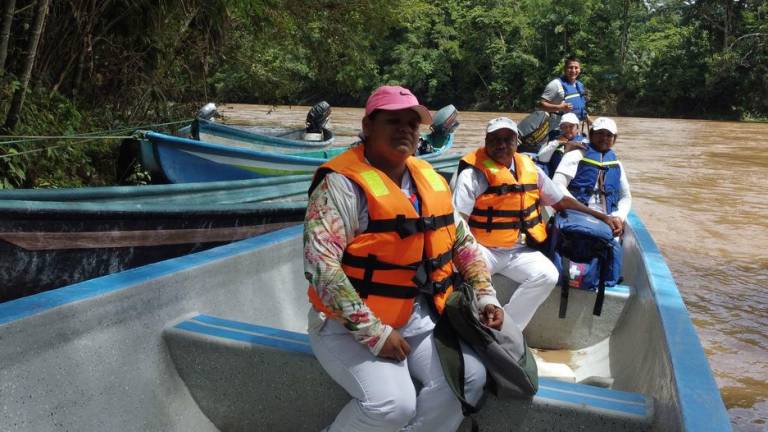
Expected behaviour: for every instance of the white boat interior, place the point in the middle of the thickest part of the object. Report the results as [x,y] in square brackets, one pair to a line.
[216,341]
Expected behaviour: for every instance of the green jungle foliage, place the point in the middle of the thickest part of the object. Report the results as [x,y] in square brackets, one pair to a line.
[112,64]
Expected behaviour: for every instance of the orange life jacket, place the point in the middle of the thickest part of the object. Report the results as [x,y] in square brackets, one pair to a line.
[508,205]
[401,253]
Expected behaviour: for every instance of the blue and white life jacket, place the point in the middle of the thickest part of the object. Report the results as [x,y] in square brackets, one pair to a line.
[557,156]
[574,94]
[583,185]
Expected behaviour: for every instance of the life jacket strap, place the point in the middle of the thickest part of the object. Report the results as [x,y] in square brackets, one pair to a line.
[592,191]
[405,227]
[524,225]
[520,214]
[510,188]
[368,288]
[425,268]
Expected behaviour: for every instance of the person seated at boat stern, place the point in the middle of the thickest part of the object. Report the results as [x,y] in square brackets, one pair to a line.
[500,193]
[381,252]
[594,175]
[565,94]
[569,139]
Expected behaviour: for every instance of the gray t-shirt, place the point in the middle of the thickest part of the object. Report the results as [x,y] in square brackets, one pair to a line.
[554,93]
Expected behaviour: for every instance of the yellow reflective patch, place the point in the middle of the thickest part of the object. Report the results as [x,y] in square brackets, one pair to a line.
[434,179]
[375,183]
[491,165]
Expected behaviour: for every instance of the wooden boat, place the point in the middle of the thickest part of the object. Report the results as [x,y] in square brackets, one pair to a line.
[217,341]
[182,160]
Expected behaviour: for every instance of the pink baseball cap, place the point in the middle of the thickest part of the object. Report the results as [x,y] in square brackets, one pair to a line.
[393,98]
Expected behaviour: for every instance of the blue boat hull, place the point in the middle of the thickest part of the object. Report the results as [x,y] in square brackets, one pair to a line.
[183,160]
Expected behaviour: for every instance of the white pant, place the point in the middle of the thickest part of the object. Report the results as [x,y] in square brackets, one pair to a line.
[534,272]
[385,397]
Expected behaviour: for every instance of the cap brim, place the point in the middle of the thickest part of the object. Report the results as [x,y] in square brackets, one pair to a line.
[494,128]
[603,128]
[421,110]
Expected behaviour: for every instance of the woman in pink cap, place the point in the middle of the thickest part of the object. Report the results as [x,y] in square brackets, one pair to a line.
[381,253]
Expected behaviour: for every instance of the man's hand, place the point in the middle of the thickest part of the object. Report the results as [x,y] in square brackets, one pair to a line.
[565,106]
[492,316]
[395,347]
[574,145]
[616,224]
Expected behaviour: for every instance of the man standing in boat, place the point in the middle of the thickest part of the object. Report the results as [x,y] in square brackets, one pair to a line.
[500,193]
[565,94]
[381,251]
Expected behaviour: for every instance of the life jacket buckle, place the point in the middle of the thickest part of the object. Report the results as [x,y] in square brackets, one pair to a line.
[426,223]
[504,189]
[403,227]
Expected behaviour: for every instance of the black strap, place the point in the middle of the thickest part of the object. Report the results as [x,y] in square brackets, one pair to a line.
[506,225]
[367,287]
[372,262]
[405,227]
[603,261]
[510,188]
[425,268]
[564,288]
[520,214]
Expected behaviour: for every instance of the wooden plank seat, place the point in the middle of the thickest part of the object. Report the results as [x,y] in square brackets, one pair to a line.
[248,377]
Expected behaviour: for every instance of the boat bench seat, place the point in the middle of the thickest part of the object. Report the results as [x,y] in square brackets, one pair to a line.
[251,377]
[580,328]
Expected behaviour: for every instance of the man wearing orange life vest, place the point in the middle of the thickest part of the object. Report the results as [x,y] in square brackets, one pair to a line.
[381,249]
[501,193]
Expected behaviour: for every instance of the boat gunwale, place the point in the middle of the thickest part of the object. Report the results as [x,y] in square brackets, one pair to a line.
[701,406]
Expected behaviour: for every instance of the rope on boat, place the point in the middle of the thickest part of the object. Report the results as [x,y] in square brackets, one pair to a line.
[89,136]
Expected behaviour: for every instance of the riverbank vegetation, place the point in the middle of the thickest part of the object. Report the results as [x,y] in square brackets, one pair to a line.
[72,66]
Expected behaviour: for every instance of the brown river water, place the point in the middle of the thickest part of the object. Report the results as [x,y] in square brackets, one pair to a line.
[697,186]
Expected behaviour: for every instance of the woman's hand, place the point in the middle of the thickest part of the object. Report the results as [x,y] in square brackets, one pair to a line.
[395,347]
[492,316]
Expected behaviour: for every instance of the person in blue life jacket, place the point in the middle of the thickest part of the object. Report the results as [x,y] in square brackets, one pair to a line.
[569,139]
[500,193]
[595,177]
[565,94]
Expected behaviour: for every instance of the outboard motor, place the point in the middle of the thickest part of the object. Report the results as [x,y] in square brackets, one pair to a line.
[208,111]
[444,122]
[317,119]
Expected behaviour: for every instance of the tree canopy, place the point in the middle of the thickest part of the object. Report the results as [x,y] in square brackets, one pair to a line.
[104,63]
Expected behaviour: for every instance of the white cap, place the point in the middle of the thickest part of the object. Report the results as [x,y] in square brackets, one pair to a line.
[569,118]
[604,123]
[501,123]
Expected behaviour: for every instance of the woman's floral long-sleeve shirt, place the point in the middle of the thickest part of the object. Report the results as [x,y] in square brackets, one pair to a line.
[336,213]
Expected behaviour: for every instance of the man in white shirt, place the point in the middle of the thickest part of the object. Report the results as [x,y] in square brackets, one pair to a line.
[501,193]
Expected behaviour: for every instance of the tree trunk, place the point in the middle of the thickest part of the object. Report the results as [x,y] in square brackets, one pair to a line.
[5,32]
[18,95]
[624,43]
